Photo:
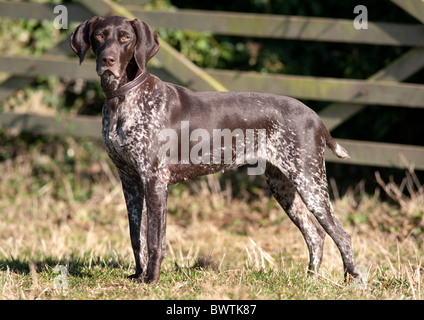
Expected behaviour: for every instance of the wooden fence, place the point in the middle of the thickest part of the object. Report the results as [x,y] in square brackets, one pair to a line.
[349,96]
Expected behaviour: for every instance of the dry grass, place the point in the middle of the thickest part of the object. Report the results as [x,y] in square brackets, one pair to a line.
[61,204]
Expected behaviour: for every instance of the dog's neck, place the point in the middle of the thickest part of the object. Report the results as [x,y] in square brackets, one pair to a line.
[115,89]
[111,83]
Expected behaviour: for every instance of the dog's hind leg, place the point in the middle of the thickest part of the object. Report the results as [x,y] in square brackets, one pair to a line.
[312,187]
[286,195]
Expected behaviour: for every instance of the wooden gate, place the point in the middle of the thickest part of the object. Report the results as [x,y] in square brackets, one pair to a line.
[349,96]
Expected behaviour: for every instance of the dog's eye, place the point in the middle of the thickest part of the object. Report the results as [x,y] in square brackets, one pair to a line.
[125,38]
[99,36]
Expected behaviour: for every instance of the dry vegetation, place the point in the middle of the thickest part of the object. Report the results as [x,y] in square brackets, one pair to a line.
[61,204]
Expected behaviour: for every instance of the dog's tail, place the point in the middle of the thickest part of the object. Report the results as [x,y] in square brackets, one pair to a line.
[337,149]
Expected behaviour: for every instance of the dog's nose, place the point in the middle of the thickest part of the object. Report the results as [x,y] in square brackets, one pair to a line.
[108,60]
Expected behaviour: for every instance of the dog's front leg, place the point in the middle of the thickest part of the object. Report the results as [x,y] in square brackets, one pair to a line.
[137,218]
[156,193]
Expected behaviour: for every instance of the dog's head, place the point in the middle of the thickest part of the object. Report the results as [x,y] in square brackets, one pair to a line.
[122,46]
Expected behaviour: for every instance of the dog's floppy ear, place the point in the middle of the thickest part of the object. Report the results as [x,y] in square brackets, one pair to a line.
[80,38]
[147,43]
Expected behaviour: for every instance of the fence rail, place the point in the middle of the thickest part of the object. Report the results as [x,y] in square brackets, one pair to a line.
[285,27]
[349,96]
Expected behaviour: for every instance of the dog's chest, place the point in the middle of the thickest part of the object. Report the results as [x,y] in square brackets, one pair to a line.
[130,130]
[120,140]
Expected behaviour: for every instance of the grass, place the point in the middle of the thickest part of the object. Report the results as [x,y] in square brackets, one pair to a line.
[61,205]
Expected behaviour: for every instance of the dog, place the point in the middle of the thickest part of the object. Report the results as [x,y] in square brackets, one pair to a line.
[158,134]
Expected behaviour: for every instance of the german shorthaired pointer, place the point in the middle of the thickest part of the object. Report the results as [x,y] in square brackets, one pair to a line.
[139,107]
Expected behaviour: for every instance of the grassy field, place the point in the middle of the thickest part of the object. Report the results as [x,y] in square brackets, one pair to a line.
[64,235]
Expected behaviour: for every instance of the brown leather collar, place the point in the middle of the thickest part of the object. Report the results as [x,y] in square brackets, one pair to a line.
[142,77]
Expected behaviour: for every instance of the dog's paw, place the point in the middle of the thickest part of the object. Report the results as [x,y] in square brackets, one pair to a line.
[136,277]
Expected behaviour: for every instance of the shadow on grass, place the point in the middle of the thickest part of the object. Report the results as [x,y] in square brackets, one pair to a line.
[76,266]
